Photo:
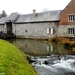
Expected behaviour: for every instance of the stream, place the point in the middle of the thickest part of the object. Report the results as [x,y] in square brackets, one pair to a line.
[55,65]
[49,58]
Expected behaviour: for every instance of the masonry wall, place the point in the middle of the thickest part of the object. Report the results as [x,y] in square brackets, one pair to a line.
[35,30]
[39,30]
[2,28]
[69,10]
[63,31]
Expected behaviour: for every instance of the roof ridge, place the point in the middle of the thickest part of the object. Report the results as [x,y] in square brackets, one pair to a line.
[40,12]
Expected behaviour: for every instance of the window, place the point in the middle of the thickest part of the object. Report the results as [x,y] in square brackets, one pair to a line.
[71,31]
[71,18]
[50,30]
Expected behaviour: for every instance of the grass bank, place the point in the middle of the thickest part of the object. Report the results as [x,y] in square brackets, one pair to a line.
[13,61]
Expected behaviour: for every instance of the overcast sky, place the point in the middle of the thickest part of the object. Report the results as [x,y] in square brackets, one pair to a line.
[26,6]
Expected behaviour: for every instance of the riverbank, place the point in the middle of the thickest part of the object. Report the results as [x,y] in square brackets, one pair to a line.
[69,43]
[13,61]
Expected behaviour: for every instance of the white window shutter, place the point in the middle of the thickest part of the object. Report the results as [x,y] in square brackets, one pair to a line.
[51,30]
[47,30]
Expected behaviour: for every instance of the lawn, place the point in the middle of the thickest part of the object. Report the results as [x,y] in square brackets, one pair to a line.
[13,61]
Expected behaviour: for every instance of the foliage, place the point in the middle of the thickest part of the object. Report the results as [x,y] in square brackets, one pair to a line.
[13,61]
[3,14]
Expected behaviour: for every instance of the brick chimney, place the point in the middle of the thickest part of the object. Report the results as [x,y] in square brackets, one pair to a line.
[34,12]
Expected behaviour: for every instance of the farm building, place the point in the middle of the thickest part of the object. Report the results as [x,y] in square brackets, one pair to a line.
[44,25]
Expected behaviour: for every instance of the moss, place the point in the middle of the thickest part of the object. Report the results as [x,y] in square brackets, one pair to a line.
[13,61]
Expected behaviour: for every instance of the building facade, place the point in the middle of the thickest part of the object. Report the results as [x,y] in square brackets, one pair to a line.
[67,21]
[44,25]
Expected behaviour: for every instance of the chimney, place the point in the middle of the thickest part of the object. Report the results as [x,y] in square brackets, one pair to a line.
[34,12]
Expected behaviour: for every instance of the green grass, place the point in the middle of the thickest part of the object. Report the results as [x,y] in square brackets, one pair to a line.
[13,61]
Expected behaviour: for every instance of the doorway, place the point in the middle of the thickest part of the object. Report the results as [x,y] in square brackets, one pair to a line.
[9,29]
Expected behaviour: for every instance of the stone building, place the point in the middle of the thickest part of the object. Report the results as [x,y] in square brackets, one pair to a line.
[47,24]
[67,21]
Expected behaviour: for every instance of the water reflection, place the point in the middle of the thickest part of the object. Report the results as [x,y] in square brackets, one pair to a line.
[59,62]
[39,48]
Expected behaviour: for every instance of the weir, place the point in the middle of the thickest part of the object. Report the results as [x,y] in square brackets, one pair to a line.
[55,66]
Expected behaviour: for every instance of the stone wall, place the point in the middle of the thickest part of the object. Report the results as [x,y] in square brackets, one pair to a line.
[2,28]
[63,31]
[35,30]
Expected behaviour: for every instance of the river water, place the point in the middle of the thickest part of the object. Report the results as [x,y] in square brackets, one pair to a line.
[49,58]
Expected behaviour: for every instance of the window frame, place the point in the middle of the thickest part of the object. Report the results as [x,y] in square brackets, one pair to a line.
[50,30]
[71,17]
[71,31]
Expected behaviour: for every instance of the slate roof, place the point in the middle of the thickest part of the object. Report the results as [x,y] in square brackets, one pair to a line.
[13,17]
[3,20]
[39,17]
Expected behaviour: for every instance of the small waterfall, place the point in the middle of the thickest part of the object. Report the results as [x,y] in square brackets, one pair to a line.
[63,66]
[67,65]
